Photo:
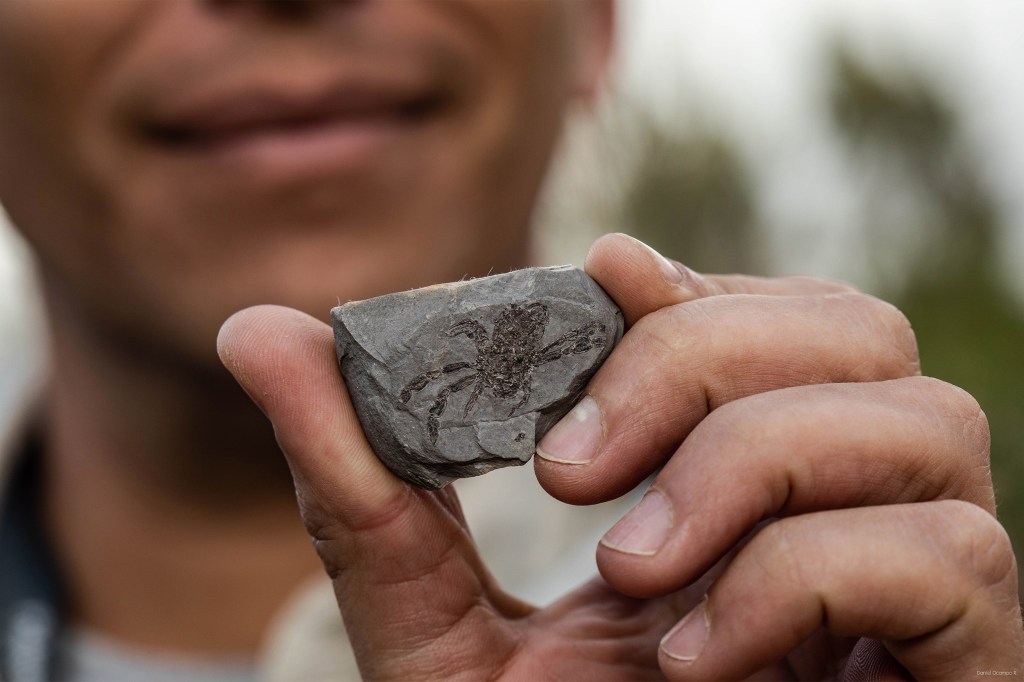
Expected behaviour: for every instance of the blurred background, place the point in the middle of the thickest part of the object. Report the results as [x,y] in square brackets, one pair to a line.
[875,141]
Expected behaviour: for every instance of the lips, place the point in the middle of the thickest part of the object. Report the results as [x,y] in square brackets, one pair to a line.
[233,118]
[247,115]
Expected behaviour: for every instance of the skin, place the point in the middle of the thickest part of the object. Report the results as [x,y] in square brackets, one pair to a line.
[741,391]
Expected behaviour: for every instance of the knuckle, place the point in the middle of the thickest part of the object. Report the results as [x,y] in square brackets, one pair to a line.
[958,414]
[336,532]
[904,340]
[887,322]
[958,404]
[738,426]
[976,424]
[327,551]
[325,532]
[976,541]
[317,521]
[661,332]
[775,552]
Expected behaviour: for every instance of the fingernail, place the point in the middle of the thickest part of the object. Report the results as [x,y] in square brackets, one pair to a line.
[644,529]
[686,640]
[576,438]
[668,269]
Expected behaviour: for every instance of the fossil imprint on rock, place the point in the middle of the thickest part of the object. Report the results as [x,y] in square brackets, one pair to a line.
[505,362]
[458,379]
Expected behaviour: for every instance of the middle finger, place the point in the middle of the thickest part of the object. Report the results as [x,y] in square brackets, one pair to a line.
[681,362]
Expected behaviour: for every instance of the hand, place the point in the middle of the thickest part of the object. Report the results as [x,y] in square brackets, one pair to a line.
[797,400]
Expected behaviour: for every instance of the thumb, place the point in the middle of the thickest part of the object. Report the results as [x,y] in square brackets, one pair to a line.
[405,572]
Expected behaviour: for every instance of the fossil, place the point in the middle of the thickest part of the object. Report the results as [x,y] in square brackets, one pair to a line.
[505,363]
[458,379]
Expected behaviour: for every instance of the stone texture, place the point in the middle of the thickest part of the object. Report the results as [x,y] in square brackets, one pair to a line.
[458,379]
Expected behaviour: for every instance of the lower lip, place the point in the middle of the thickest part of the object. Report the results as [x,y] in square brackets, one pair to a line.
[329,146]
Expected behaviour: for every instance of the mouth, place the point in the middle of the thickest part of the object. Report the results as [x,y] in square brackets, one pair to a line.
[262,127]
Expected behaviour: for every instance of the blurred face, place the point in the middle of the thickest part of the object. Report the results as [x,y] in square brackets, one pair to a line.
[172,161]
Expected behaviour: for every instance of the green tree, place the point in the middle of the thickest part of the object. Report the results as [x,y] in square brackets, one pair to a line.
[691,196]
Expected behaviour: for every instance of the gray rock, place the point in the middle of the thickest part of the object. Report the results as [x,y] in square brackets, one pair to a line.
[458,379]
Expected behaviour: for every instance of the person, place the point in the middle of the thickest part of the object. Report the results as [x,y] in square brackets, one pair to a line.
[818,508]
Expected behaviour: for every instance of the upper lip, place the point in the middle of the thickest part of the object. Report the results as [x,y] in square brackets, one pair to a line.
[221,115]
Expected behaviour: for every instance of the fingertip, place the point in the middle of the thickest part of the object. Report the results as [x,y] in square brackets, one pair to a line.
[606,247]
[639,575]
[638,278]
[265,343]
[684,643]
[234,335]
[568,482]
[618,253]
[286,361]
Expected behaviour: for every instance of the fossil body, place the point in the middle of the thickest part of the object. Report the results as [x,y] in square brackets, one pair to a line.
[505,362]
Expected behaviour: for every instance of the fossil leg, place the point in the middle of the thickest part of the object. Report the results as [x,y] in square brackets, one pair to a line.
[572,343]
[470,328]
[537,313]
[420,382]
[472,398]
[441,402]
[526,396]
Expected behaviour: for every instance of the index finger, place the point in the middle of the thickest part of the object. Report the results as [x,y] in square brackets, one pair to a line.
[641,280]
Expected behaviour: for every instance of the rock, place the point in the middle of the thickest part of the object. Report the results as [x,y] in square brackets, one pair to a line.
[455,380]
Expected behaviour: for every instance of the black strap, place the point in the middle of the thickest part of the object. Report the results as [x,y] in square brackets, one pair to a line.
[31,590]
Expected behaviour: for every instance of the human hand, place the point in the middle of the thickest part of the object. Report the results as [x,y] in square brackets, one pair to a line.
[751,384]
[417,601]
[798,399]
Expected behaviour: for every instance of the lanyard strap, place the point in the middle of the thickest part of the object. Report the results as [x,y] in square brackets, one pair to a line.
[31,591]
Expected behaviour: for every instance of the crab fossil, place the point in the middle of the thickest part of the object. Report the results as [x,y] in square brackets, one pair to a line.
[504,362]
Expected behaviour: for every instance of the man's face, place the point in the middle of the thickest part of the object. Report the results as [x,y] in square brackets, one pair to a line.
[173,161]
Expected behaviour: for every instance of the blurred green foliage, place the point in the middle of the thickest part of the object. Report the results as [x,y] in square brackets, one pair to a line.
[693,198]
[698,181]
[969,328]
